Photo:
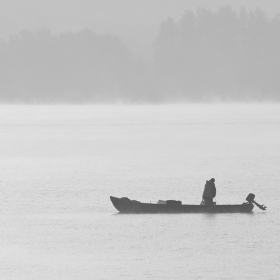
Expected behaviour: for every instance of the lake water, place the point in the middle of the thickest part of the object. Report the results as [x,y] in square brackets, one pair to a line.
[60,164]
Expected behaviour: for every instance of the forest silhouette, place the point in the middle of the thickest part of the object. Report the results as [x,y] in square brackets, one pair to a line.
[207,55]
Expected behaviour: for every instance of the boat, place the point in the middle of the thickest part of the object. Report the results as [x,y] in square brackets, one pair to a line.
[125,205]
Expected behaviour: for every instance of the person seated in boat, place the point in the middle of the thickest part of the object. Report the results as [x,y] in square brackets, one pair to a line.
[209,192]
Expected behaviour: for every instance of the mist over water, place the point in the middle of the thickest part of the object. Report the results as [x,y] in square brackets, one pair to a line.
[204,56]
[161,96]
[59,165]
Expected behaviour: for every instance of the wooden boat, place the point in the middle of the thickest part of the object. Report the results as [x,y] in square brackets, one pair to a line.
[125,205]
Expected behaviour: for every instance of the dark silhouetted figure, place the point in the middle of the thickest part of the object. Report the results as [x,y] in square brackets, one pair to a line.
[209,192]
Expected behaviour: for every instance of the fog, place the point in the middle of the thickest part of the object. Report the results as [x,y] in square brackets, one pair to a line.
[139,51]
[136,22]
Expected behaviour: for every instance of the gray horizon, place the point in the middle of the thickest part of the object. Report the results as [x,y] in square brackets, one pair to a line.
[156,51]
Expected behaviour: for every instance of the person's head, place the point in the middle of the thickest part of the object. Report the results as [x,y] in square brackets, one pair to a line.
[212,180]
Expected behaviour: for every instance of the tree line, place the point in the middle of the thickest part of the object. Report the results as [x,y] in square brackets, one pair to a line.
[71,67]
[223,54]
[206,55]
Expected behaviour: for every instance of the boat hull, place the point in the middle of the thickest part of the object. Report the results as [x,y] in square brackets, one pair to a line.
[128,206]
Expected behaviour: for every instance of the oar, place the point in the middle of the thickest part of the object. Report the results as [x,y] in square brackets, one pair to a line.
[250,198]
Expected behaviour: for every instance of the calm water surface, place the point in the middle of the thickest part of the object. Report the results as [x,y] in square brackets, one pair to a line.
[60,164]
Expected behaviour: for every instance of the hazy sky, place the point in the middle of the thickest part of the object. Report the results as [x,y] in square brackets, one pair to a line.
[136,21]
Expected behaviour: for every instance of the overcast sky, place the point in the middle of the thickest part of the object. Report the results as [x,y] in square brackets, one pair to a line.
[135,21]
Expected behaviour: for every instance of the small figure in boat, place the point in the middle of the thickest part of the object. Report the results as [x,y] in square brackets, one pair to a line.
[209,192]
